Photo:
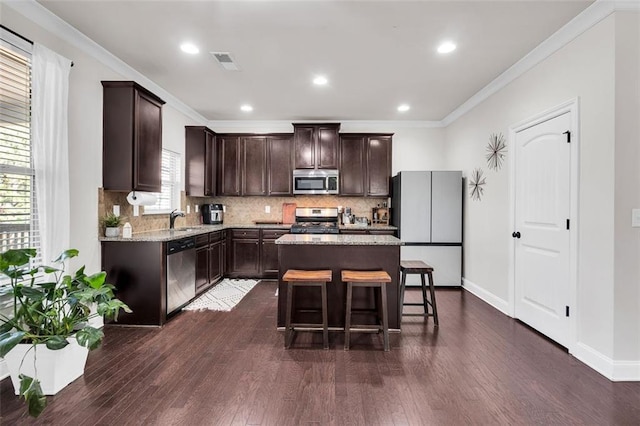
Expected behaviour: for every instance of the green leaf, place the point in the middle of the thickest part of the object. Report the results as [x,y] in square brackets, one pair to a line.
[9,340]
[89,337]
[47,286]
[67,254]
[18,257]
[56,342]
[97,280]
[50,269]
[5,326]
[33,293]
[31,390]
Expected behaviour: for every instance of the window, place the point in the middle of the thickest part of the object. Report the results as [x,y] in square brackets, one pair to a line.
[18,211]
[169,198]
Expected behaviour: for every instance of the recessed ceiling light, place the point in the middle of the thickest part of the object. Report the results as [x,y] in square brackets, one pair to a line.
[446,47]
[246,108]
[320,80]
[189,48]
[404,108]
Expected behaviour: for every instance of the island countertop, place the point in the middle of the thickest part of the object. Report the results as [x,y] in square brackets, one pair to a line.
[339,240]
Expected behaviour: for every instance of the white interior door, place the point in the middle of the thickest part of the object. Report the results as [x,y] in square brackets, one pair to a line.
[542,210]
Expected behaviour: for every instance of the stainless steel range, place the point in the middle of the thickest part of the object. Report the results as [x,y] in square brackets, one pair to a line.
[316,220]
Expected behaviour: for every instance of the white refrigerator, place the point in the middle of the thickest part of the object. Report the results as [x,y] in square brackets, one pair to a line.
[426,206]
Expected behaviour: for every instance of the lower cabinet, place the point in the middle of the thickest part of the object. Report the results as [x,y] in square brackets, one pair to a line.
[269,252]
[368,232]
[253,253]
[210,260]
[216,257]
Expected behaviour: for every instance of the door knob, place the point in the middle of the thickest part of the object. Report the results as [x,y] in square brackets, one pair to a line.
[516,235]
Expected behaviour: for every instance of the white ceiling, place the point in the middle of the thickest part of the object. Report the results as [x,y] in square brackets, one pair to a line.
[376,54]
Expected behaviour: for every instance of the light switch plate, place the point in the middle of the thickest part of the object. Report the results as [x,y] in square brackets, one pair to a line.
[635,218]
[196,208]
[224,208]
[136,210]
[116,210]
[267,209]
[188,208]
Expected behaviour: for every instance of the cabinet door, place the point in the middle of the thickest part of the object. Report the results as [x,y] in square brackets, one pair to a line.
[245,256]
[216,267]
[229,165]
[304,147]
[211,164]
[254,165]
[378,166]
[327,147]
[352,165]
[279,168]
[269,251]
[202,268]
[147,147]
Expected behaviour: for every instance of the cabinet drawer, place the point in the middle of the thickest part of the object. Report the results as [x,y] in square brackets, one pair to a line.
[202,240]
[245,233]
[382,232]
[273,234]
[216,236]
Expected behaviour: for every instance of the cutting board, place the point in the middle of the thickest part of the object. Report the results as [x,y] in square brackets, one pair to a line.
[288,212]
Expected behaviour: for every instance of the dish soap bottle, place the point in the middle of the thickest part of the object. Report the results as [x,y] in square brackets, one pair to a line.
[126,230]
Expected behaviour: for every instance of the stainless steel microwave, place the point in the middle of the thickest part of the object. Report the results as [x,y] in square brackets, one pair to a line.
[315,182]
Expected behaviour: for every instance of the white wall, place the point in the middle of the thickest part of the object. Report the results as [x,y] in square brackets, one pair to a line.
[586,68]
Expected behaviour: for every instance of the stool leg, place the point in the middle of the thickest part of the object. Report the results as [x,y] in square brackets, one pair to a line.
[347,319]
[403,282]
[433,300]
[424,296]
[325,320]
[385,320]
[287,325]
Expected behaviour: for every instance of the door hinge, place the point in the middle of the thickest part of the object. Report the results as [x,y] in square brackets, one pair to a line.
[566,311]
[568,223]
[568,133]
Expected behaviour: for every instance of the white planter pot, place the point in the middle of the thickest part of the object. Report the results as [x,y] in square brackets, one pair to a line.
[111,232]
[56,369]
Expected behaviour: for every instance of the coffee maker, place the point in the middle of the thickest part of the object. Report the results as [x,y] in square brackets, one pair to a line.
[212,214]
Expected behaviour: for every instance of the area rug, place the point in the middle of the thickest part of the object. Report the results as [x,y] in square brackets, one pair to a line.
[223,297]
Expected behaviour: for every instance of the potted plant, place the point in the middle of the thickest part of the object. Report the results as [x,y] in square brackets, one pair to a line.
[111,223]
[50,323]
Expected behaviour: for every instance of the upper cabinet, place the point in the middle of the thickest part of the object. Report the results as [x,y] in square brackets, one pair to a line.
[365,164]
[132,138]
[200,161]
[229,165]
[316,146]
[254,165]
[280,171]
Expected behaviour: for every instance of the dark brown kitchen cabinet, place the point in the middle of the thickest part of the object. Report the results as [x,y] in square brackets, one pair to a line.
[229,165]
[202,262]
[365,164]
[269,252]
[131,137]
[216,256]
[200,161]
[316,145]
[244,253]
[254,165]
[279,168]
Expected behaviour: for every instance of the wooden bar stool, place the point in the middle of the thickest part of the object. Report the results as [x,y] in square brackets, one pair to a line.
[298,278]
[369,279]
[419,267]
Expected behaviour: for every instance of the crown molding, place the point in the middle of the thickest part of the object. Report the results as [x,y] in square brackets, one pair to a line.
[589,17]
[40,15]
[285,126]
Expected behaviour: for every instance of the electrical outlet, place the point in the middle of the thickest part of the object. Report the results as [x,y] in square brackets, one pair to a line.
[267,209]
[196,208]
[224,208]
[188,208]
[635,218]
[136,210]
[116,210]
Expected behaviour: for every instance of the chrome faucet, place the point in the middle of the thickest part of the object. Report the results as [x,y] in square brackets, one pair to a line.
[172,217]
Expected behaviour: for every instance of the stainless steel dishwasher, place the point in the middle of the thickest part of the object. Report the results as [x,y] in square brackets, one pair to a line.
[181,273]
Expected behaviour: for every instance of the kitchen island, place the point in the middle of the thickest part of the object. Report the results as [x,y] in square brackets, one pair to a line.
[338,252]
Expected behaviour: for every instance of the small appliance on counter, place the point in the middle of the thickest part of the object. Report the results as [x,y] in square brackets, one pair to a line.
[212,214]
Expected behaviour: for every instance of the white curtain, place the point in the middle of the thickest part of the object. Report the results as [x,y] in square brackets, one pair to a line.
[49,127]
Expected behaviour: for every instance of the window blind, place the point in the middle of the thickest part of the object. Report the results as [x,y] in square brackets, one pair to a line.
[18,210]
[169,197]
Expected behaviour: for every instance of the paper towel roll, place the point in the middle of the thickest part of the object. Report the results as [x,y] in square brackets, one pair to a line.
[137,198]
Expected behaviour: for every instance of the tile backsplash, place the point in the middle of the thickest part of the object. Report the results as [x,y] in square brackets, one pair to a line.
[239,210]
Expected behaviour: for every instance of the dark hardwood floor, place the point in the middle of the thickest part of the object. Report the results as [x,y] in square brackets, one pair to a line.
[219,368]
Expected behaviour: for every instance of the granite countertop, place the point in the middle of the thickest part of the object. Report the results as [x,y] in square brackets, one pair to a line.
[340,240]
[191,231]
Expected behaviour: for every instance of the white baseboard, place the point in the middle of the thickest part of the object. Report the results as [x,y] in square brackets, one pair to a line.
[490,298]
[616,371]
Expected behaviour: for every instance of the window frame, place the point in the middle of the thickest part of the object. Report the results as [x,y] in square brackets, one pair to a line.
[171,179]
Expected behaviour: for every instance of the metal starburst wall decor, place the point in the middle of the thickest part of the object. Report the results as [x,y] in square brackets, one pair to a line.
[496,151]
[476,183]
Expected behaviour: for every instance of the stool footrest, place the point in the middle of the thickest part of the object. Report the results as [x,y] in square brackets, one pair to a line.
[417,315]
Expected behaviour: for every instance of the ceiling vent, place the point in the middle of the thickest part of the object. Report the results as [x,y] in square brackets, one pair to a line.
[225,60]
